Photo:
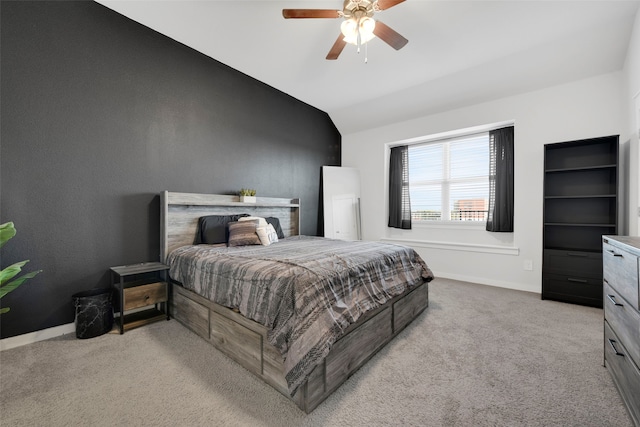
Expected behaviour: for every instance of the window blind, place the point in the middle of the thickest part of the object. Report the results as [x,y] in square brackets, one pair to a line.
[449,179]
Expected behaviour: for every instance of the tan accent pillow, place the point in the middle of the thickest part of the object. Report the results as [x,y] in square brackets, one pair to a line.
[243,233]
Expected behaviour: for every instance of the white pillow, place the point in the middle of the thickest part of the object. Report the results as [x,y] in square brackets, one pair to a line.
[267,235]
[261,221]
[273,234]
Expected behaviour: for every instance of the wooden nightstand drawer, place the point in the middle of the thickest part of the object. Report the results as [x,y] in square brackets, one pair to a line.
[621,271]
[144,295]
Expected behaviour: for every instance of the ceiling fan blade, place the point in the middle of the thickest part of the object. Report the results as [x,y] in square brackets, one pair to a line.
[389,36]
[337,47]
[386,4]
[310,13]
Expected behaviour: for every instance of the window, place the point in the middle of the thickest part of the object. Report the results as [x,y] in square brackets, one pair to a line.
[449,179]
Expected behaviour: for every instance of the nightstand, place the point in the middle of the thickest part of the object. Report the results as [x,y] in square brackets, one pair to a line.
[142,291]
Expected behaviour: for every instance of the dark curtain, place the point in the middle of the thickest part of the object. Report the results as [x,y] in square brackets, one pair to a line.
[500,216]
[399,203]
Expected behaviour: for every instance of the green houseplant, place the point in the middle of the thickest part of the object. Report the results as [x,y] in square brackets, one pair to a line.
[247,195]
[7,231]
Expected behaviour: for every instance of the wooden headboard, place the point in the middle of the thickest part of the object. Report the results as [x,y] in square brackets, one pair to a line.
[179,213]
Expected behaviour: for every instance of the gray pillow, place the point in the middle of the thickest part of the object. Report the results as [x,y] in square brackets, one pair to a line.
[276,225]
[212,229]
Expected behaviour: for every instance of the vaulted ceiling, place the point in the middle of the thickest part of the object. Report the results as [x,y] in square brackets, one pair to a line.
[459,52]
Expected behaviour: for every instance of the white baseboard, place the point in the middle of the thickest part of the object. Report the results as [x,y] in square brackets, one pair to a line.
[31,337]
[45,334]
[488,282]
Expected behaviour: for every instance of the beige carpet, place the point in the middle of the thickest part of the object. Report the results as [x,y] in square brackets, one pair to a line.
[478,356]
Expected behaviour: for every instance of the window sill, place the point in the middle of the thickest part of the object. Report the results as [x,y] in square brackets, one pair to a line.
[452,246]
[466,225]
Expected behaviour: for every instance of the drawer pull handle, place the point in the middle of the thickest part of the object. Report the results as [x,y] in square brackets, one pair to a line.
[577,254]
[613,346]
[615,254]
[613,300]
[146,297]
[570,279]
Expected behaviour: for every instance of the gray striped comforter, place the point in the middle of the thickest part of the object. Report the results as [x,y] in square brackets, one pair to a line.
[305,290]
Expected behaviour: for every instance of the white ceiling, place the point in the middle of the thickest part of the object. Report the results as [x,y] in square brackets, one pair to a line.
[459,52]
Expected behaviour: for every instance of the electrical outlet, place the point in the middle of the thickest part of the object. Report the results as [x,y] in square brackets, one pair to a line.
[528,265]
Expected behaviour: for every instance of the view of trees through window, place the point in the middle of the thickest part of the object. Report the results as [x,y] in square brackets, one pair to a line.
[449,179]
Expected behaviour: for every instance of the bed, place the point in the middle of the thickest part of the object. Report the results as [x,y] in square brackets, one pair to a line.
[303,313]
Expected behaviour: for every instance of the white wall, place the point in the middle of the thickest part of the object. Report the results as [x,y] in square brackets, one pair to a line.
[632,103]
[582,109]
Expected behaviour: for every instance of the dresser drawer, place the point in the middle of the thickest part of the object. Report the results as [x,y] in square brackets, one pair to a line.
[624,372]
[624,320]
[143,295]
[574,289]
[621,271]
[586,264]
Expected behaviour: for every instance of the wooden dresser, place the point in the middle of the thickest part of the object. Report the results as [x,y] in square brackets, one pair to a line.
[621,262]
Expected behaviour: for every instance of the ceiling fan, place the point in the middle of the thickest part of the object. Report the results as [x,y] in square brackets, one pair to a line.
[358,26]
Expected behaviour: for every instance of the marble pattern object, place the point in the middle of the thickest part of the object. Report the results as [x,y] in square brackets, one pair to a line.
[94,312]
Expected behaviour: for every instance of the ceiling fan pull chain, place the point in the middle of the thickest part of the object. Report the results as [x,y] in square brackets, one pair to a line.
[366,52]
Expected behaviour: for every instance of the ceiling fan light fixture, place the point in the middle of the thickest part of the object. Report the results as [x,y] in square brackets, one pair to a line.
[349,27]
[367,25]
[358,32]
[358,25]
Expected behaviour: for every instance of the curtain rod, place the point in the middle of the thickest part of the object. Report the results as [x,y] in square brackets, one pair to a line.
[452,134]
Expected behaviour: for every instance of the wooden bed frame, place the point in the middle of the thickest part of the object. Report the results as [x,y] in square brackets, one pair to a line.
[244,340]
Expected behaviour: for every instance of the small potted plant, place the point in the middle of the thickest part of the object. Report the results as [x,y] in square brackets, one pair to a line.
[247,195]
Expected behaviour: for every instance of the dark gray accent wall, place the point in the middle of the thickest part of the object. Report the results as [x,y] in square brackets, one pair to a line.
[100,114]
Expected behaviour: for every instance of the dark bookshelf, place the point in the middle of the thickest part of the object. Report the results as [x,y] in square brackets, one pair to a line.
[580,206]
